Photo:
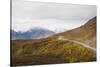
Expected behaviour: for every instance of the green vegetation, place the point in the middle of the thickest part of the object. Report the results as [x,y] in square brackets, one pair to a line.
[50,51]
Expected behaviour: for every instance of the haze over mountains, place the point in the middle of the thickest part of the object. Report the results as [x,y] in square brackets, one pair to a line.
[35,33]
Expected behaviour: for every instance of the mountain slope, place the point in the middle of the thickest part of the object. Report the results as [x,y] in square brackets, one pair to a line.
[85,33]
[49,51]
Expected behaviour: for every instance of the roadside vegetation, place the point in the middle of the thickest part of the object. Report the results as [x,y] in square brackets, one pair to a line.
[49,51]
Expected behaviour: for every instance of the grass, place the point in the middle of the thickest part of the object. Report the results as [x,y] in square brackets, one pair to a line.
[49,52]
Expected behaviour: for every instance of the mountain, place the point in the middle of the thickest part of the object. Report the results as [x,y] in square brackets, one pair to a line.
[76,45]
[13,34]
[35,33]
[85,34]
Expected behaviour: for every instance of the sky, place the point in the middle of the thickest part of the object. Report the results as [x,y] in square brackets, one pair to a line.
[56,17]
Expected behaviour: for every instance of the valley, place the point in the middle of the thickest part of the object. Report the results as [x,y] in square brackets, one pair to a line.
[76,45]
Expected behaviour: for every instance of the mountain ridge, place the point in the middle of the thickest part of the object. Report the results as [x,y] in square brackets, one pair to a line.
[35,33]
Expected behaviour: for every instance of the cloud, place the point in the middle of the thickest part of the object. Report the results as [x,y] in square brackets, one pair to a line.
[27,14]
[51,24]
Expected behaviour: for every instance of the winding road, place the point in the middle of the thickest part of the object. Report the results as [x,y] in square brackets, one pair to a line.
[83,44]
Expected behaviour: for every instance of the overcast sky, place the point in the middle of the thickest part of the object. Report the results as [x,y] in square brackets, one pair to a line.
[52,16]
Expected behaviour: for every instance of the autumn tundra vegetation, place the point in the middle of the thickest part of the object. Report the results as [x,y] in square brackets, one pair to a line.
[58,48]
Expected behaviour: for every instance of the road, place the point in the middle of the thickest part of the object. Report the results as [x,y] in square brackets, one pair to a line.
[83,44]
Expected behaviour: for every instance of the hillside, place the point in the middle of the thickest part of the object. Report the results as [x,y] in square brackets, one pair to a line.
[85,33]
[66,47]
[50,52]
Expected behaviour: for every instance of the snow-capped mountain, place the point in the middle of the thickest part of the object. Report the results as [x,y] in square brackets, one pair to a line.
[35,33]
